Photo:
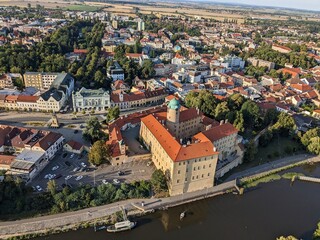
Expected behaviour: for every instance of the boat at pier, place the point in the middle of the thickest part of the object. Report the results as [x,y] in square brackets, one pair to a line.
[121,226]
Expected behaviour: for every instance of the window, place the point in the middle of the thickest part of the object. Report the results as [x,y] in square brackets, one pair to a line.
[208,174]
[186,179]
[192,177]
[209,165]
[204,166]
[178,171]
[178,181]
[202,175]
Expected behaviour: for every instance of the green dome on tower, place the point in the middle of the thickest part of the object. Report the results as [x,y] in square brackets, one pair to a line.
[174,104]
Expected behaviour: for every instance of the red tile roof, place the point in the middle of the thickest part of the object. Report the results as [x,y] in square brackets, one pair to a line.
[172,147]
[219,132]
[75,145]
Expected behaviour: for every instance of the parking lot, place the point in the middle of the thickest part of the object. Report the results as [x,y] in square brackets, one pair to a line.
[69,170]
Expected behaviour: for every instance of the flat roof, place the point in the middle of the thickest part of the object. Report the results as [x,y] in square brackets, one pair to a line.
[29,156]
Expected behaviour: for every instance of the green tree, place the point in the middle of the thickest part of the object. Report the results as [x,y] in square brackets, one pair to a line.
[270,117]
[285,122]
[203,100]
[239,122]
[221,111]
[113,113]
[314,145]
[52,187]
[287,238]
[93,132]
[158,181]
[99,153]
[251,113]
[235,101]
[147,70]
[312,133]
[250,152]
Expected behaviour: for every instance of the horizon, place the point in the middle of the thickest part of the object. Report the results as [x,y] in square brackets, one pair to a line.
[310,5]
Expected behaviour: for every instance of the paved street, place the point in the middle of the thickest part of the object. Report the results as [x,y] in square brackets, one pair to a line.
[272,165]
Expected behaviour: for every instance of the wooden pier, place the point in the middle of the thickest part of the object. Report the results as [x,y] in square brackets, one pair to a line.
[309,179]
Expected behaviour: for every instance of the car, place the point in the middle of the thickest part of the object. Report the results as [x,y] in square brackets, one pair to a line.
[72,155]
[39,188]
[115,181]
[55,168]
[104,181]
[82,169]
[120,173]
[76,169]
[57,176]
[81,126]
[68,177]
[64,155]
[83,164]
[47,176]
[67,163]
[75,131]
[149,163]
[52,176]
[79,178]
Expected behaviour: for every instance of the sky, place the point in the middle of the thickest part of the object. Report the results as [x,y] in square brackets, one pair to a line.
[298,4]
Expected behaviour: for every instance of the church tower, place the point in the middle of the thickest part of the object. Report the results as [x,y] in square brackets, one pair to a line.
[173,115]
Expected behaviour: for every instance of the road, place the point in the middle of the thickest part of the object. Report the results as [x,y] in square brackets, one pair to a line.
[272,165]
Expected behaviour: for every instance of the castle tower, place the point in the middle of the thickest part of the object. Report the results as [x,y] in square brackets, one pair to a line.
[173,114]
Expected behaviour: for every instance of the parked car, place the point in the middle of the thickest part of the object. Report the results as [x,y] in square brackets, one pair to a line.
[64,155]
[53,176]
[116,181]
[83,164]
[67,163]
[76,169]
[79,178]
[39,188]
[72,155]
[55,168]
[57,176]
[68,177]
[104,181]
[120,173]
[47,176]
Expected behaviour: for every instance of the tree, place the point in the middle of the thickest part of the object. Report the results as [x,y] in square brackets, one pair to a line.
[239,122]
[287,238]
[312,133]
[250,152]
[251,113]
[270,116]
[93,131]
[52,187]
[203,100]
[147,70]
[113,113]
[158,181]
[221,111]
[235,101]
[314,145]
[99,153]
[285,123]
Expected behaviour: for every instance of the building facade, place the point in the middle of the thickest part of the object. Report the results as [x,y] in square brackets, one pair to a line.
[88,99]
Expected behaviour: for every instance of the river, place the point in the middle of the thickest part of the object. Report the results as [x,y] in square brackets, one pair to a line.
[264,213]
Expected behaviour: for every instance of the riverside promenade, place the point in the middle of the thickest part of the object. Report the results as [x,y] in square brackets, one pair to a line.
[71,219]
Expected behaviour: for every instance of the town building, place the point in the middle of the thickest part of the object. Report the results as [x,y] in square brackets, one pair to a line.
[32,149]
[184,147]
[261,63]
[115,72]
[90,99]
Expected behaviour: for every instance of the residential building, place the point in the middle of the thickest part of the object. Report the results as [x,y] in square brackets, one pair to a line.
[115,72]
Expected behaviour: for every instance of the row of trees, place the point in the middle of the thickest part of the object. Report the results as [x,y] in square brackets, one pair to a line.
[16,199]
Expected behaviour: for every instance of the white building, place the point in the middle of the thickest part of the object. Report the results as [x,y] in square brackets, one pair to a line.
[88,99]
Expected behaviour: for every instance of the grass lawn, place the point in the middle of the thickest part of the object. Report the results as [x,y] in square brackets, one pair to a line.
[81,8]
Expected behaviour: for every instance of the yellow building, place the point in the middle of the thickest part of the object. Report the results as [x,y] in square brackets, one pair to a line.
[188,166]
[39,80]
[187,146]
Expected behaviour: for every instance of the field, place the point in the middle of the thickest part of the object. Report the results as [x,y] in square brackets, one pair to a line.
[205,10]
[82,7]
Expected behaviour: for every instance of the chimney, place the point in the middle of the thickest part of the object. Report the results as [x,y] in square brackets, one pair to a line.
[198,111]
[180,140]
[188,143]
[221,122]
[226,121]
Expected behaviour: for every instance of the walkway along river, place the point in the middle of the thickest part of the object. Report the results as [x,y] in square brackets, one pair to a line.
[264,213]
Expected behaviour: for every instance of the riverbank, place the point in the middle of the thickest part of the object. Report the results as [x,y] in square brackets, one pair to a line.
[70,220]
[86,217]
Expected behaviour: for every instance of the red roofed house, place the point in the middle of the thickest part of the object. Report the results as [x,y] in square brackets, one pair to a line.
[73,147]
[187,156]
[294,72]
